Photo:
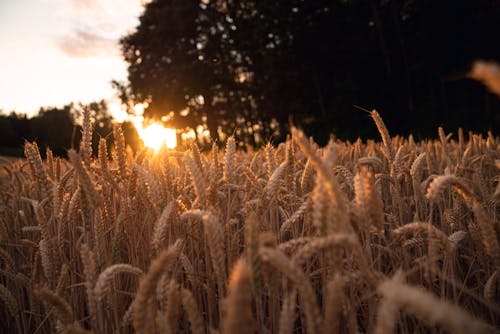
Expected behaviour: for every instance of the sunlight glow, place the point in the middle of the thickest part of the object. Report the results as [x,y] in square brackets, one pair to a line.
[155,136]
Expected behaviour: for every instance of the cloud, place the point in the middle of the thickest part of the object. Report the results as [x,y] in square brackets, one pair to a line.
[97,26]
[82,43]
[88,4]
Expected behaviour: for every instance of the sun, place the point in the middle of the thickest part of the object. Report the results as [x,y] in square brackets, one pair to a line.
[155,136]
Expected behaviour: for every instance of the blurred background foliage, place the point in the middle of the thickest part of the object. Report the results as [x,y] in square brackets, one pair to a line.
[253,67]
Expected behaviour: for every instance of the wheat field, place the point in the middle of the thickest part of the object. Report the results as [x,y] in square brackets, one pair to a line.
[396,236]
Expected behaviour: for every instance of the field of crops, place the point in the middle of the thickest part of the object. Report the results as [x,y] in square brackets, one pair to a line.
[364,237]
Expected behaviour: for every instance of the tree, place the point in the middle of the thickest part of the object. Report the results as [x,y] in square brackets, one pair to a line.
[11,142]
[241,65]
[55,128]
[183,63]
[249,65]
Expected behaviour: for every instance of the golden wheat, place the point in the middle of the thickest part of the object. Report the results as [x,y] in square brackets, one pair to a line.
[296,238]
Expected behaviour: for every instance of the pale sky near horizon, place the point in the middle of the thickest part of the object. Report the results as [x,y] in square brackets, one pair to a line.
[53,52]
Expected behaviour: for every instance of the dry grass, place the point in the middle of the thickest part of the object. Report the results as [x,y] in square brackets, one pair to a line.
[397,236]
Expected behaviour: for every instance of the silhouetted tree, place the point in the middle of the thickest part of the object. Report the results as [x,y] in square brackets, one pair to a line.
[55,128]
[59,129]
[182,63]
[239,65]
[11,143]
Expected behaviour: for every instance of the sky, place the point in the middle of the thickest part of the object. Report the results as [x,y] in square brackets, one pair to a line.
[53,52]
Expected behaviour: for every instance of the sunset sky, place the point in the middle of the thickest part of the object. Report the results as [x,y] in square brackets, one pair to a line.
[57,51]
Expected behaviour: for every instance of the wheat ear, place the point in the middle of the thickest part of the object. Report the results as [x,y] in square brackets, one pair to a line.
[86,137]
[214,234]
[335,297]
[195,318]
[489,235]
[384,133]
[105,278]
[120,150]
[174,304]
[141,306]
[103,155]
[308,299]
[229,159]
[90,273]
[288,313]
[198,179]
[238,304]
[426,306]
[441,182]
[487,72]
[89,191]
[161,227]
[62,309]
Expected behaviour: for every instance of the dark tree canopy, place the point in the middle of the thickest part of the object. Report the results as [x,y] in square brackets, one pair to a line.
[246,66]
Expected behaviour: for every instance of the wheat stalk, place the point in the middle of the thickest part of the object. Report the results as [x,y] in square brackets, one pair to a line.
[194,316]
[238,318]
[142,303]
[308,299]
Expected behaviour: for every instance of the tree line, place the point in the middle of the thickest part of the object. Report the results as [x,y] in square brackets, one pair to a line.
[252,68]
[59,129]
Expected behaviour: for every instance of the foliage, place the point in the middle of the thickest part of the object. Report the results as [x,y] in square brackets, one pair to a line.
[233,65]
